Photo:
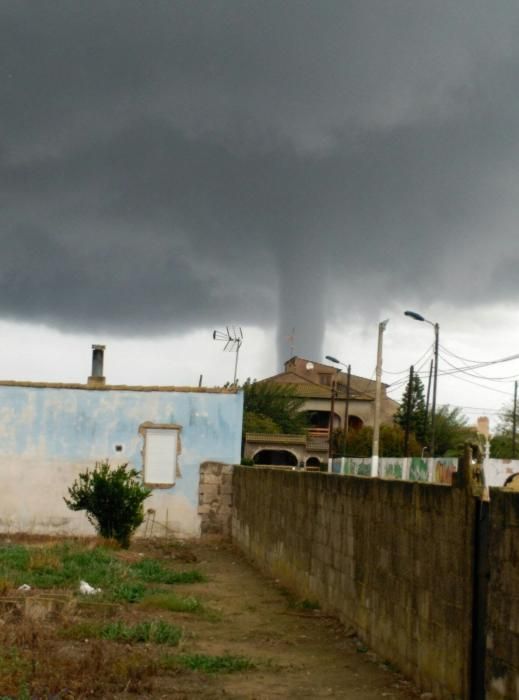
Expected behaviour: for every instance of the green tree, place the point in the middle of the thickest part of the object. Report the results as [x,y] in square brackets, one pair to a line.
[271,407]
[452,432]
[417,412]
[502,442]
[391,442]
[112,498]
[501,446]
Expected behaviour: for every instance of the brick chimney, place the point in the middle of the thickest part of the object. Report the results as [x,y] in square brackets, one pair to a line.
[97,378]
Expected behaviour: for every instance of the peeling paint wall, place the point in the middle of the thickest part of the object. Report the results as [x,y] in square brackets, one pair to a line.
[48,435]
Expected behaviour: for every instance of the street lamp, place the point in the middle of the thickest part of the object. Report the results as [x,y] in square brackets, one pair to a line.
[436,326]
[347,406]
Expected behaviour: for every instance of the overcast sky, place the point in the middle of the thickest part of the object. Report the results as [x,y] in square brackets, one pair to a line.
[167,168]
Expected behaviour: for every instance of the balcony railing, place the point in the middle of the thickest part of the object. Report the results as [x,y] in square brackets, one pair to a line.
[315,439]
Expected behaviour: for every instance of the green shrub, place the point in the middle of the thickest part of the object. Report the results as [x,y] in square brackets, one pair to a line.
[112,498]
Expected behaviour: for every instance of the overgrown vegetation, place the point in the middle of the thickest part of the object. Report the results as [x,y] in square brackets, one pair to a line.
[359,443]
[153,571]
[227,663]
[173,603]
[32,665]
[64,565]
[94,648]
[502,443]
[156,632]
[112,499]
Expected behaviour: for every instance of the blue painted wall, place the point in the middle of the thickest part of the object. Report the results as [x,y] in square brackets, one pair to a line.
[44,425]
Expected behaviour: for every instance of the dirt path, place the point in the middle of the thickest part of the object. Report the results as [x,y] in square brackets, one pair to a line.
[50,646]
[301,653]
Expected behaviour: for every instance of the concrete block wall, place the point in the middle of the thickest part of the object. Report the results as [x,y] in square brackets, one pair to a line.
[502,638]
[215,498]
[392,559]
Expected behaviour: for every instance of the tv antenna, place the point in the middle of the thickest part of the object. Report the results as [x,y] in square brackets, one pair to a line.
[233,339]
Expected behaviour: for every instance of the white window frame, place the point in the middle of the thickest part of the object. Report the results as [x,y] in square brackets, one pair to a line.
[161,442]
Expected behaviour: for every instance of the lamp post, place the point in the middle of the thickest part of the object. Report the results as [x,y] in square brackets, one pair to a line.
[436,326]
[347,406]
[376,422]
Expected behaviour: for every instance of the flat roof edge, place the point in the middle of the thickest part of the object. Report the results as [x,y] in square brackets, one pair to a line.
[118,387]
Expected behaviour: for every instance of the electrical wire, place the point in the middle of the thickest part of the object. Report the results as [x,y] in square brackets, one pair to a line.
[417,362]
[462,370]
[463,359]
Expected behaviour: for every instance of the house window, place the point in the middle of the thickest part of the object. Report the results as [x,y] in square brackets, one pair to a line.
[161,448]
[325,379]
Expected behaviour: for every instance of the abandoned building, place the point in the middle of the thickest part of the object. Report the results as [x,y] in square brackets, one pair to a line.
[52,432]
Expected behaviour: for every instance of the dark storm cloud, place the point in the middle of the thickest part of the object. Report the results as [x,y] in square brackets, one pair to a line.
[171,165]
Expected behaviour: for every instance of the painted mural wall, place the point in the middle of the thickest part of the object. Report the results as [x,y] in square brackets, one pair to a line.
[438,470]
[48,435]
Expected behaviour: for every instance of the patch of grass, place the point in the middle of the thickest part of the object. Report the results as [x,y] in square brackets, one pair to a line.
[157,632]
[59,566]
[126,591]
[14,668]
[152,571]
[173,602]
[206,663]
[298,604]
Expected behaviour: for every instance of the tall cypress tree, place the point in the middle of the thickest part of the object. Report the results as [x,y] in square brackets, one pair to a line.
[417,417]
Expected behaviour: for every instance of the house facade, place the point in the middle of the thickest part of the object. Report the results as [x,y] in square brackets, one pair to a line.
[49,433]
[320,385]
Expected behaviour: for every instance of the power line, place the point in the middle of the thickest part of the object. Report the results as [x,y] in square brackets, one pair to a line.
[483,386]
[462,370]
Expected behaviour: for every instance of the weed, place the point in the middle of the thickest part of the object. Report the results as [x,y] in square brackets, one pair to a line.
[192,576]
[129,592]
[293,602]
[206,663]
[159,632]
[153,571]
[5,585]
[44,560]
[174,603]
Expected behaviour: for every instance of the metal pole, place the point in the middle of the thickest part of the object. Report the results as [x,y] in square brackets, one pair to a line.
[236,361]
[376,422]
[435,385]
[347,409]
[330,425]
[408,412]
[425,428]
[514,420]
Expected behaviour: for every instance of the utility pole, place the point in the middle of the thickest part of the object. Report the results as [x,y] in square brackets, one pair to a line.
[408,411]
[426,426]
[376,423]
[436,326]
[330,426]
[435,385]
[347,408]
[514,420]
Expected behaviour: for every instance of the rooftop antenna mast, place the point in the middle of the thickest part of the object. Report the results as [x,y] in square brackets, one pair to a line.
[233,339]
